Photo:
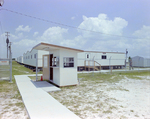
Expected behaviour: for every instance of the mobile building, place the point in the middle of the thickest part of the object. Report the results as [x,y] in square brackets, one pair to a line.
[89,60]
[138,61]
[60,64]
[20,60]
[29,58]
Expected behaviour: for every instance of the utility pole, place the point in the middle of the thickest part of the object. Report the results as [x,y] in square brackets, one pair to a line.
[7,41]
[10,61]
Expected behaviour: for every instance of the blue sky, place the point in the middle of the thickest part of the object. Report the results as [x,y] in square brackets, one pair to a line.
[125,18]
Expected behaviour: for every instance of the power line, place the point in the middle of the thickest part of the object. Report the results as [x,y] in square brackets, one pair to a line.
[65,24]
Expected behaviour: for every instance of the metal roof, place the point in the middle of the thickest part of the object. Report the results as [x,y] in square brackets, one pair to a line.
[51,47]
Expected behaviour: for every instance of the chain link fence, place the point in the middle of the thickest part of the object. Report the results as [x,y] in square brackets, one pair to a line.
[6,69]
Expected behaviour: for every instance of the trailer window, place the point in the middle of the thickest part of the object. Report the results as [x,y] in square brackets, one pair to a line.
[34,55]
[87,56]
[104,57]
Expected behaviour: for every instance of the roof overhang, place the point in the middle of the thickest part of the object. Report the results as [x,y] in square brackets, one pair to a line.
[51,47]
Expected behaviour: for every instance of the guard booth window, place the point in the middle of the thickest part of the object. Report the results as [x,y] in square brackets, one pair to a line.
[68,62]
[55,61]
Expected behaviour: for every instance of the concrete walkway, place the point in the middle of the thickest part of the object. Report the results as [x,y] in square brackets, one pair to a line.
[40,104]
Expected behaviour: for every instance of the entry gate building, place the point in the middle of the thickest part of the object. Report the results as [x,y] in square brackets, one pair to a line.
[60,64]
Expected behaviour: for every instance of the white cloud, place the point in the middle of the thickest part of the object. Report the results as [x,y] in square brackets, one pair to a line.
[144,32]
[53,35]
[102,24]
[25,29]
[25,43]
[35,34]
[141,45]
[73,18]
[76,42]
[102,42]
[22,46]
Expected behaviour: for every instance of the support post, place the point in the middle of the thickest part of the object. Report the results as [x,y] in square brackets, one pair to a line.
[85,65]
[88,65]
[109,64]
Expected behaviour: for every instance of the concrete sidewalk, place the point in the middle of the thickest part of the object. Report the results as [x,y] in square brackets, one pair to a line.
[40,104]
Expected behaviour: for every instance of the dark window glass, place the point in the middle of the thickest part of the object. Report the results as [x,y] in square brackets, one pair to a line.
[68,62]
[104,57]
[87,55]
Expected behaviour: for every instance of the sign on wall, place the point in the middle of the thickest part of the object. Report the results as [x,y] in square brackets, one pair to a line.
[4,62]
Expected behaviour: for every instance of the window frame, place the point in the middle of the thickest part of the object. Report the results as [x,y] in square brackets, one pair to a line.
[87,55]
[67,63]
[55,61]
[104,57]
[35,56]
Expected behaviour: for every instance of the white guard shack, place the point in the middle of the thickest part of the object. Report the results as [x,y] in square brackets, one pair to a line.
[60,65]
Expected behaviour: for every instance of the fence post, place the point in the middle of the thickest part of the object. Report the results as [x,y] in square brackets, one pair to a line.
[10,60]
[36,66]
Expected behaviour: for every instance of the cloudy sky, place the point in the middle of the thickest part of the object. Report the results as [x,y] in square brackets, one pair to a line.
[93,25]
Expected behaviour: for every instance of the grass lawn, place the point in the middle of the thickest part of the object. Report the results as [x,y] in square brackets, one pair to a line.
[10,98]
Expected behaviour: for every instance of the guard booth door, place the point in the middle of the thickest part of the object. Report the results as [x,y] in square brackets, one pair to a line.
[51,67]
[46,67]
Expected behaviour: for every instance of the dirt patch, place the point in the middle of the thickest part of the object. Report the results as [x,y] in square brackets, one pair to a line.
[12,109]
[126,98]
[11,105]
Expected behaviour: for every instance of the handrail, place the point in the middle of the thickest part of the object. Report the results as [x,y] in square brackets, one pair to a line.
[98,64]
[89,63]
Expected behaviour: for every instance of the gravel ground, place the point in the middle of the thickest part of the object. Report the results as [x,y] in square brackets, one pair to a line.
[125,99]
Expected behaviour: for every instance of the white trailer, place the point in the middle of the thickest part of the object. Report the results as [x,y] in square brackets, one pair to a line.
[87,60]
[138,61]
[20,60]
[29,58]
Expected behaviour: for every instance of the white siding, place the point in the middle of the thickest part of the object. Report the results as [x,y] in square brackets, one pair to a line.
[19,59]
[68,75]
[64,76]
[30,59]
[140,62]
[112,58]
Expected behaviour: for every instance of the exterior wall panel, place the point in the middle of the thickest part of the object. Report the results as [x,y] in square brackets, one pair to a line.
[111,58]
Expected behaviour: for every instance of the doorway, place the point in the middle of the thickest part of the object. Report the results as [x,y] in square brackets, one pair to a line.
[51,68]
